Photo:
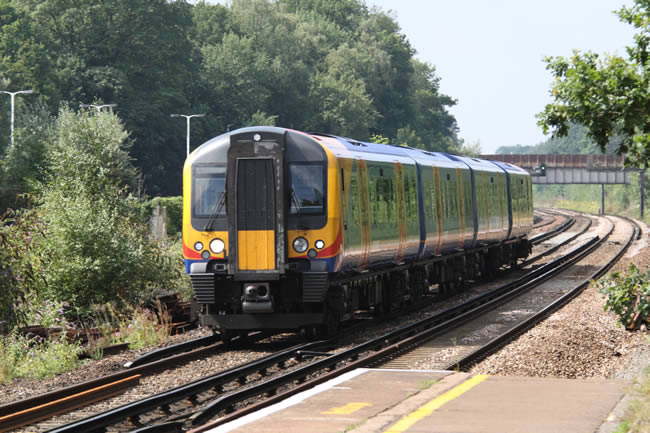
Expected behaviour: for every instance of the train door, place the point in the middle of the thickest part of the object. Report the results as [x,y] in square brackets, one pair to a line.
[255,180]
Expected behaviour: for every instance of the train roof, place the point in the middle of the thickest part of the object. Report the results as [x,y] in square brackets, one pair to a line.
[509,167]
[350,148]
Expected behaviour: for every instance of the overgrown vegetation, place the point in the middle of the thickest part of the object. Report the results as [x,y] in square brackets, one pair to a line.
[33,357]
[30,356]
[18,257]
[95,242]
[628,295]
[83,242]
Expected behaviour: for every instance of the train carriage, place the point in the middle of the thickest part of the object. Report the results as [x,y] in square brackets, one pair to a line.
[288,230]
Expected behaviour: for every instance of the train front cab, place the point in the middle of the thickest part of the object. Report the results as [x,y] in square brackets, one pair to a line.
[263,192]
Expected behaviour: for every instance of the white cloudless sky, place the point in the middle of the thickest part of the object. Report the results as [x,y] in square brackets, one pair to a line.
[489,55]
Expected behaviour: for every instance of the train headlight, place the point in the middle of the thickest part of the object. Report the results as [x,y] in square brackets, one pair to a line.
[300,245]
[205,255]
[319,244]
[312,253]
[217,246]
[198,246]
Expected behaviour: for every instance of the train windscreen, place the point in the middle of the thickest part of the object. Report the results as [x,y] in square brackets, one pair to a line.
[307,192]
[208,191]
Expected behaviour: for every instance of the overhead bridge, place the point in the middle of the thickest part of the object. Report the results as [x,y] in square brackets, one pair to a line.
[575,169]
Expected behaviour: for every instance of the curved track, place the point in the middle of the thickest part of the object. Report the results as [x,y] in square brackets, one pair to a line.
[306,364]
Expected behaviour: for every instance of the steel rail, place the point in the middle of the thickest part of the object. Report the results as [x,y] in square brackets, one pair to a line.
[46,410]
[556,247]
[538,317]
[174,349]
[217,381]
[135,409]
[383,347]
[60,394]
[146,362]
[131,410]
[549,234]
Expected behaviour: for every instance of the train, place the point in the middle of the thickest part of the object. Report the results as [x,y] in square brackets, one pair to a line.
[285,230]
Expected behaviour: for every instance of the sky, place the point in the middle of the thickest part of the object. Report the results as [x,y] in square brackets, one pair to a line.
[489,55]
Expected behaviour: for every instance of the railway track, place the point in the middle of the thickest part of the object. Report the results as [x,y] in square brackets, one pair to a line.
[248,398]
[462,347]
[167,420]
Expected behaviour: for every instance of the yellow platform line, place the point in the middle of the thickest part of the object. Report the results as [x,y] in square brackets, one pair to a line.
[405,423]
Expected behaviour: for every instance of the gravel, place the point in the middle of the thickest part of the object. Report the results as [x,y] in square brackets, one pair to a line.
[578,341]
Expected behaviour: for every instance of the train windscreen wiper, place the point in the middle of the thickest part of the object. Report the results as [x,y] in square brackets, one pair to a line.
[295,201]
[218,206]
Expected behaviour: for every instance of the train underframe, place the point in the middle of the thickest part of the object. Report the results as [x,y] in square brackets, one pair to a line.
[317,302]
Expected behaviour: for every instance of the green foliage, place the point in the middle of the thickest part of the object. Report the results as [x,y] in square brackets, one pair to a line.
[145,328]
[19,235]
[407,137]
[336,67]
[174,207]
[262,119]
[34,357]
[378,138]
[637,413]
[93,236]
[607,94]
[22,164]
[628,294]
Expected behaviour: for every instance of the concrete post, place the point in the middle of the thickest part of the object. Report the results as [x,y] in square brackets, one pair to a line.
[158,223]
[602,198]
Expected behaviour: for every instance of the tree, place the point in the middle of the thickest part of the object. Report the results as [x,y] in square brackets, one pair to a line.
[96,245]
[607,94]
[135,53]
[22,164]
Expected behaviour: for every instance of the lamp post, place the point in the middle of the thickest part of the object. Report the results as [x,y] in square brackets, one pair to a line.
[97,107]
[13,98]
[188,117]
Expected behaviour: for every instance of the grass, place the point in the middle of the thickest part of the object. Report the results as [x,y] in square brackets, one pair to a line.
[637,415]
[37,358]
[34,357]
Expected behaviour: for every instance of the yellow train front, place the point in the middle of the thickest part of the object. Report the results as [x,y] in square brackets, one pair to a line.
[261,229]
[284,230]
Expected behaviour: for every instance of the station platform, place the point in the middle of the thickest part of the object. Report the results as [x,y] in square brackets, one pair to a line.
[396,401]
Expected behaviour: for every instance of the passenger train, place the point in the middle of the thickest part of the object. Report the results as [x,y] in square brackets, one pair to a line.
[286,230]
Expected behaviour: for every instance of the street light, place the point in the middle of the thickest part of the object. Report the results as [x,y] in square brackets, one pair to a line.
[97,107]
[188,117]
[13,97]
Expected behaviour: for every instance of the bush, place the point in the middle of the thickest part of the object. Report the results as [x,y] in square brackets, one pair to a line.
[96,241]
[628,295]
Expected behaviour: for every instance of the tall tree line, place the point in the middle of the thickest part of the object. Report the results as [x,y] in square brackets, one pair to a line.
[332,66]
